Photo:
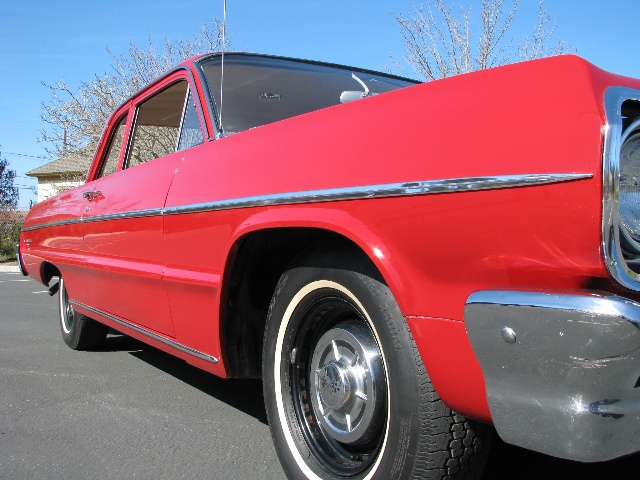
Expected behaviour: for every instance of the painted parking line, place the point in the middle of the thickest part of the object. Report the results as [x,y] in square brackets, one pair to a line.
[9,281]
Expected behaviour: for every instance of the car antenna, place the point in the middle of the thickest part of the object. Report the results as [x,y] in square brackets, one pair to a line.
[224,30]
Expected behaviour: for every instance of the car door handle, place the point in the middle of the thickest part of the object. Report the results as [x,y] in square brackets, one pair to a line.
[92,195]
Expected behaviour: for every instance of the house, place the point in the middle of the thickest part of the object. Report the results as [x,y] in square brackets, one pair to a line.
[61,174]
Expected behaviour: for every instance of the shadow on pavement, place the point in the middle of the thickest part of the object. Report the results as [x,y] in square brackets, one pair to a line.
[244,395]
[506,462]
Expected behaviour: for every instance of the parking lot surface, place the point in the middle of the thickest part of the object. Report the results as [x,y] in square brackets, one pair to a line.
[130,411]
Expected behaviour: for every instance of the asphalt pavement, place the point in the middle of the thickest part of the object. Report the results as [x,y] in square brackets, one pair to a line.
[129,411]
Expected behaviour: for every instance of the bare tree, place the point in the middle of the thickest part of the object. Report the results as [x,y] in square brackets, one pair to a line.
[77,116]
[440,38]
[541,43]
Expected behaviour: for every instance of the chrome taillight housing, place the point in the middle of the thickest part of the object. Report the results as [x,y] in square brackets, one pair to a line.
[629,186]
[621,189]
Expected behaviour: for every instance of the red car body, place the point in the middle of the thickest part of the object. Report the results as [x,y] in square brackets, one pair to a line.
[481,182]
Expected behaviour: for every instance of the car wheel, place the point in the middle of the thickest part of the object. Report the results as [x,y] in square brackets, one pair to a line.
[78,331]
[346,393]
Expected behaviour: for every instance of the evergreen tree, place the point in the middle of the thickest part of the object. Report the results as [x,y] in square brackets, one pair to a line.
[9,193]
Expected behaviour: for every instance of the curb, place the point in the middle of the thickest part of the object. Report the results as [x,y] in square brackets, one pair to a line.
[9,269]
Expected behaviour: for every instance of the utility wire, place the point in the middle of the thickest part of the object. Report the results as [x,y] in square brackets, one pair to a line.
[25,155]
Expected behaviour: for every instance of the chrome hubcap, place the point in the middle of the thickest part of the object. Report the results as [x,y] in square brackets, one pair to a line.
[334,385]
[66,309]
[347,388]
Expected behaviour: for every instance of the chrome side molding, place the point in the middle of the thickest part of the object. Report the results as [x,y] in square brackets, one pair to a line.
[154,336]
[427,187]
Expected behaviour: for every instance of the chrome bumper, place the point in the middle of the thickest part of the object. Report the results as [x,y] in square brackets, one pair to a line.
[562,370]
[23,271]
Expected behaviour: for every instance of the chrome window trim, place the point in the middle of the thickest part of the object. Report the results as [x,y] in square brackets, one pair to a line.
[427,187]
[155,336]
[614,97]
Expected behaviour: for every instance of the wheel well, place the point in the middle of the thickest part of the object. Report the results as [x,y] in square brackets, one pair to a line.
[47,272]
[257,262]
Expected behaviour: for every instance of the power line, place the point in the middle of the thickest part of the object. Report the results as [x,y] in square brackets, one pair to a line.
[24,155]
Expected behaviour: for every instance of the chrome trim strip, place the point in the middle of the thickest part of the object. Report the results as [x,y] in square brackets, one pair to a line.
[152,212]
[155,336]
[52,224]
[469,184]
[427,187]
[618,268]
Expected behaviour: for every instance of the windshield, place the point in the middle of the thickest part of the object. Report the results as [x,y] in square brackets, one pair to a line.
[259,90]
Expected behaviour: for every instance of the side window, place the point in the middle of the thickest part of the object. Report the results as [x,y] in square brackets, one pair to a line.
[191,133]
[157,124]
[110,162]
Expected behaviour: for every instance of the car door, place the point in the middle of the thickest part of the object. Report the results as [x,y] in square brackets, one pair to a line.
[123,219]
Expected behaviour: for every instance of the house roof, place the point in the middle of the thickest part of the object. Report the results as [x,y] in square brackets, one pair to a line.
[69,164]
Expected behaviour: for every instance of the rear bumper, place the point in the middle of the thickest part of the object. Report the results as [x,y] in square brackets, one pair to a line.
[562,370]
[23,271]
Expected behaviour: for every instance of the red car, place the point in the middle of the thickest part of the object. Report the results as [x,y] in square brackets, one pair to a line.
[406,266]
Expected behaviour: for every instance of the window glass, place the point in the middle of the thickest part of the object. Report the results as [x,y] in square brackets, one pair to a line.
[259,90]
[191,133]
[110,163]
[157,124]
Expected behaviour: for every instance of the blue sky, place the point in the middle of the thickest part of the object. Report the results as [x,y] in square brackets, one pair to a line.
[45,41]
